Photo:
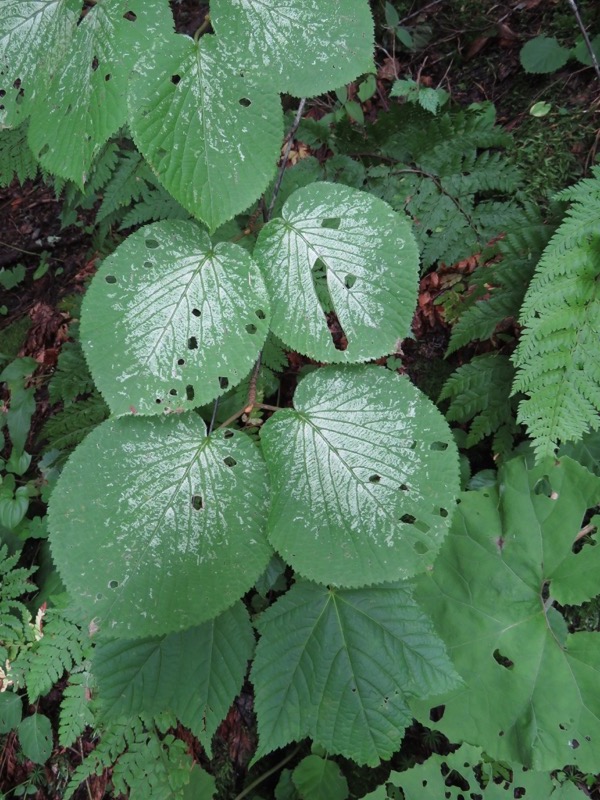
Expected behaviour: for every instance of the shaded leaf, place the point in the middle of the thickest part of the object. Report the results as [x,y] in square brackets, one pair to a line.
[319,779]
[35,738]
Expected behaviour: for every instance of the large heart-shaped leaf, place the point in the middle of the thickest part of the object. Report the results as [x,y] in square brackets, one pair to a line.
[34,37]
[364,473]
[87,100]
[301,47]
[155,527]
[531,689]
[339,665]
[212,136]
[195,674]
[170,321]
[339,251]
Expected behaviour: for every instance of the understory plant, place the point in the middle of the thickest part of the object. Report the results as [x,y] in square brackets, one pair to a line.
[226,520]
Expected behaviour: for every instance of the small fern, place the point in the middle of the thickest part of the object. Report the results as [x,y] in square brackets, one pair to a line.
[479,392]
[75,711]
[16,159]
[558,358]
[15,620]
[155,204]
[67,428]
[72,377]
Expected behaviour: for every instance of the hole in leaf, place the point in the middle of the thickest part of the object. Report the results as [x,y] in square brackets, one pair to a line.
[99,596]
[195,312]
[333,223]
[588,739]
[500,733]
[110,279]
[107,77]
[438,446]
[420,548]
[543,486]
[260,313]
[243,101]
[229,461]
[189,392]
[223,383]
[228,434]
[374,478]
[94,63]
[349,281]
[175,79]
[2,92]
[113,584]
[17,84]
[404,487]
[173,392]
[151,244]
[443,512]
[408,519]
[130,16]
[251,328]
[562,727]
[412,446]
[574,744]
[158,401]
[192,343]
[180,362]
[437,713]
[197,503]
[503,660]
[353,689]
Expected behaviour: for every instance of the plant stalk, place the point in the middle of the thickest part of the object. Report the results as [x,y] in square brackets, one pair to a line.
[586,38]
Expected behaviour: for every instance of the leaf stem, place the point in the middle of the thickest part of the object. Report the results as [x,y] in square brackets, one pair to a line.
[205,25]
[284,160]
[250,788]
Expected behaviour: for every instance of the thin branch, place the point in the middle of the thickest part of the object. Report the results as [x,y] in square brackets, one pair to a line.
[252,386]
[587,529]
[214,416]
[420,11]
[286,155]
[251,787]
[586,38]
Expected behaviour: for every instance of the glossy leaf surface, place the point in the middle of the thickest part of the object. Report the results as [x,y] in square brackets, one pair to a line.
[212,137]
[301,47]
[339,665]
[171,322]
[337,249]
[364,472]
[531,688]
[155,527]
[86,102]
[195,674]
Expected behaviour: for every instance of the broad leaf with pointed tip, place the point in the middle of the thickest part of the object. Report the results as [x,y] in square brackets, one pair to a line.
[155,527]
[337,249]
[170,321]
[212,137]
[195,674]
[87,100]
[338,666]
[300,47]
[531,688]
[35,35]
[365,474]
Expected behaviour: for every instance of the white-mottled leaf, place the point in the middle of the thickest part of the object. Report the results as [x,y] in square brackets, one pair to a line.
[364,472]
[338,666]
[301,47]
[154,527]
[170,321]
[86,101]
[195,674]
[212,137]
[339,249]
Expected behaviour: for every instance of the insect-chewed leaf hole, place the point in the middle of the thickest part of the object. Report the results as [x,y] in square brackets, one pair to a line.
[502,660]
[2,92]
[229,461]
[404,488]
[189,392]
[130,16]
[148,264]
[245,102]
[44,150]
[443,512]
[331,222]
[408,519]
[95,63]
[251,328]
[420,548]
[110,279]
[574,744]
[196,312]
[192,343]
[180,362]
[151,244]
[437,713]
[228,434]
[438,446]
[260,313]
[107,77]
[175,79]
[223,383]
[113,584]
[99,596]
[197,502]
[349,281]
[158,401]
[543,486]
[374,478]
[173,392]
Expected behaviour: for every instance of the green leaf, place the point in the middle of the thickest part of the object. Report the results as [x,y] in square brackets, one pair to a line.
[13,509]
[11,711]
[214,151]
[35,737]
[339,665]
[364,473]
[543,54]
[202,786]
[319,779]
[35,36]
[531,689]
[195,674]
[303,48]
[171,322]
[87,100]
[343,250]
[582,54]
[155,527]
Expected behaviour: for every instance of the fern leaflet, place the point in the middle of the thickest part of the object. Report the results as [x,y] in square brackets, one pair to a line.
[75,712]
[16,159]
[67,428]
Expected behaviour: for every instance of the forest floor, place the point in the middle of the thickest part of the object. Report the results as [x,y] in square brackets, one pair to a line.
[470,48]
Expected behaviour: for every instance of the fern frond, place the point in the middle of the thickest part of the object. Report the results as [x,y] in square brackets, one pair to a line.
[67,428]
[15,619]
[71,377]
[126,184]
[155,204]
[16,159]
[480,392]
[75,712]
[558,357]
